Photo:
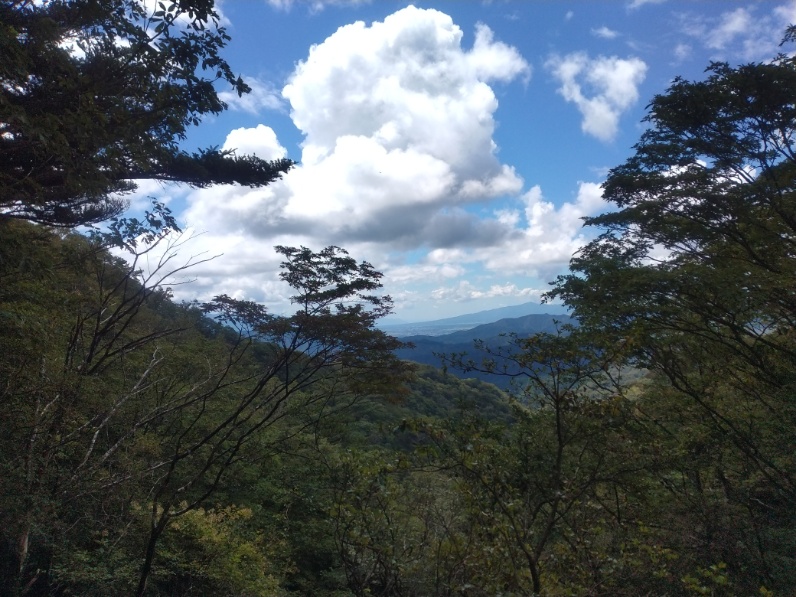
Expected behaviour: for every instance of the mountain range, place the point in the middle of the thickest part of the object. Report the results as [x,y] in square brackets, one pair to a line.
[448,325]
[494,334]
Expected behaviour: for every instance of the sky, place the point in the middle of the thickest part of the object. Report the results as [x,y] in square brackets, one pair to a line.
[454,145]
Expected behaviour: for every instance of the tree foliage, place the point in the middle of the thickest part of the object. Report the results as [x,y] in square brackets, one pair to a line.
[694,272]
[96,94]
[121,403]
[703,237]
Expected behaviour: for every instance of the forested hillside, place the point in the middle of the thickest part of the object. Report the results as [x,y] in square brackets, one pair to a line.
[153,447]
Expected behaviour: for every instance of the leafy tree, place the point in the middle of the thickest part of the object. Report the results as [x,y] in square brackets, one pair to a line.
[116,396]
[206,551]
[539,486]
[703,237]
[694,271]
[400,529]
[96,94]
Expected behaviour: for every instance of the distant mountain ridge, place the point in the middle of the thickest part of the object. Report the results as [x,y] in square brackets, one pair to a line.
[525,325]
[427,347]
[439,327]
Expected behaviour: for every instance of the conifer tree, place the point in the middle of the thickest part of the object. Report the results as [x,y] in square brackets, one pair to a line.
[97,94]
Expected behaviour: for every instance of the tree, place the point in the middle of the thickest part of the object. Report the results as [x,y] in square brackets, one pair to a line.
[711,186]
[542,486]
[695,271]
[97,94]
[394,527]
[118,399]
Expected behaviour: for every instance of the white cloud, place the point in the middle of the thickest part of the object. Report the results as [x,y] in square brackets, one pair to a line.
[786,13]
[260,141]
[551,234]
[405,82]
[423,272]
[551,223]
[730,26]
[544,236]
[605,33]
[263,95]
[602,88]
[147,189]
[465,291]
[568,16]
[682,52]
[493,60]
[745,33]
[398,123]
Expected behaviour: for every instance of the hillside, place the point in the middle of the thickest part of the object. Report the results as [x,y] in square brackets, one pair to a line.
[432,395]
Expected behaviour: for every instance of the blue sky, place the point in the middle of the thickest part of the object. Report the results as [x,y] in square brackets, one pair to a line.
[455,145]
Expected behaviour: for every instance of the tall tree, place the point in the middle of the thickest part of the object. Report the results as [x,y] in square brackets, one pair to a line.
[97,94]
[695,270]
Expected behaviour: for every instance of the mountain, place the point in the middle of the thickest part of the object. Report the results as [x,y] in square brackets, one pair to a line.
[525,325]
[426,347]
[439,327]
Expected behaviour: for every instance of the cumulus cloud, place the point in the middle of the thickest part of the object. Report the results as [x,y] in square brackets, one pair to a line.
[602,88]
[260,141]
[404,83]
[544,236]
[397,121]
[263,95]
[550,235]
